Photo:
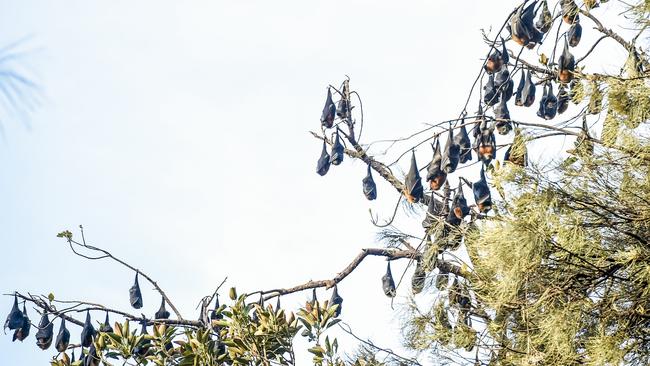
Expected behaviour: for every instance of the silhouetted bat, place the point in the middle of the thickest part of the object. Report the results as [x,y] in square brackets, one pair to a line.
[92,359]
[496,59]
[369,186]
[336,299]
[417,281]
[451,154]
[323,162]
[23,332]
[45,332]
[519,100]
[504,84]
[476,130]
[413,190]
[87,332]
[570,11]
[517,153]
[162,313]
[482,196]
[260,302]
[15,317]
[63,338]
[462,139]
[329,111]
[522,27]
[387,283]
[344,106]
[337,150]
[433,210]
[485,143]
[502,115]
[435,175]
[545,20]
[490,92]
[574,34]
[459,208]
[142,349]
[548,103]
[106,327]
[562,99]
[528,94]
[134,294]
[567,64]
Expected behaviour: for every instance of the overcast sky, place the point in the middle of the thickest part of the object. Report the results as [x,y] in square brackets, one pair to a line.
[177,134]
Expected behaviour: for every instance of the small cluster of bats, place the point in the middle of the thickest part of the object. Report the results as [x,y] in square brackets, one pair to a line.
[19,322]
[527,29]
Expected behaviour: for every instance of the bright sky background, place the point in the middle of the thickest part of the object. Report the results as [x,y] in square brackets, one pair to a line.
[177,134]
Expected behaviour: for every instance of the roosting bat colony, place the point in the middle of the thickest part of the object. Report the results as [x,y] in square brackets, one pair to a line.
[448,213]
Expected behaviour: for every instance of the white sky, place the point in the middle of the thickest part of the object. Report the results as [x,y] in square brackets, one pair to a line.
[177,134]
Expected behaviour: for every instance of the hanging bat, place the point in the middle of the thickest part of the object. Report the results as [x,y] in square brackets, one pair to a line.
[497,59]
[92,359]
[574,34]
[567,64]
[162,313]
[570,11]
[459,208]
[323,164]
[504,84]
[490,92]
[433,210]
[23,332]
[369,186]
[15,317]
[329,111]
[519,99]
[517,153]
[550,104]
[435,175]
[562,99]
[135,296]
[277,305]
[418,279]
[337,150]
[106,326]
[63,338]
[260,302]
[387,283]
[485,143]
[482,196]
[336,299]
[528,94]
[142,348]
[45,332]
[462,139]
[343,107]
[522,27]
[87,332]
[451,154]
[545,20]
[413,190]
[216,314]
[502,116]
